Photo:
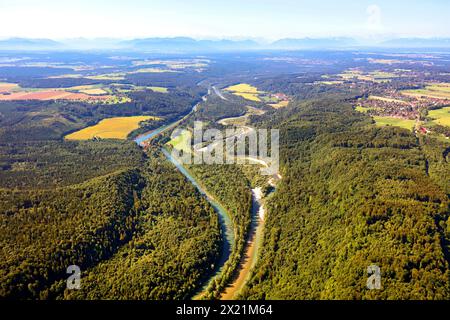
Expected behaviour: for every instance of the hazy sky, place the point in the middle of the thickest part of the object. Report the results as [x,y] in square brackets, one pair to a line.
[269,19]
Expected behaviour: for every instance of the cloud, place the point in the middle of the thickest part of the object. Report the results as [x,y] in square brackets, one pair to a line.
[374,18]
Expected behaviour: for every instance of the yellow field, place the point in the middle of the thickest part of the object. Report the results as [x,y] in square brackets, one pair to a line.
[248,96]
[159,89]
[362,109]
[440,116]
[280,104]
[111,128]
[390,121]
[245,91]
[243,87]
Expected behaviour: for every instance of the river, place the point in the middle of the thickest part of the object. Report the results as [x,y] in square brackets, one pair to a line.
[251,250]
[254,240]
[228,238]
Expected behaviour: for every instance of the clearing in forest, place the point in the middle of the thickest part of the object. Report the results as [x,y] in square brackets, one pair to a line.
[397,122]
[440,116]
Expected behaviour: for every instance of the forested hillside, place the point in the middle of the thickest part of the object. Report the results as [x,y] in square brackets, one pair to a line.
[353,195]
[46,231]
[101,205]
[174,246]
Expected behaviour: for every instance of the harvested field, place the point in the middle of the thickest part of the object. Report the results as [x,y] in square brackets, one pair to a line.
[280,104]
[111,128]
[245,91]
[51,95]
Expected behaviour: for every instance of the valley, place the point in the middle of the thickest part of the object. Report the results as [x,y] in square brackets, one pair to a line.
[363,176]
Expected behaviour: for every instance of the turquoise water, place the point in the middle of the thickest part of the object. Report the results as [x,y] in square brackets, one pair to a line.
[146,136]
[149,135]
[225,221]
[228,237]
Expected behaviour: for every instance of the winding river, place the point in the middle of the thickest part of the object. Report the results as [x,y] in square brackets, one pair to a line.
[255,236]
[224,219]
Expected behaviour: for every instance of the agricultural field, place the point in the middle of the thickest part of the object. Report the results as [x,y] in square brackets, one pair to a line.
[387,99]
[7,87]
[111,128]
[51,95]
[152,70]
[196,64]
[374,76]
[437,91]
[362,109]
[159,89]
[330,82]
[396,122]
[440,116]
[91,93]
[94,91]
[108,76]
[245,91]
[281,104]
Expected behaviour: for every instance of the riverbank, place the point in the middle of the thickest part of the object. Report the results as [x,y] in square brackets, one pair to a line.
[228,233]
[251,249]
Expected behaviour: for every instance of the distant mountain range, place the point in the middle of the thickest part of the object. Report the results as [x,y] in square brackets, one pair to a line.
[29,44]
[418,43]
[186,45]
[189,44]
[311,43]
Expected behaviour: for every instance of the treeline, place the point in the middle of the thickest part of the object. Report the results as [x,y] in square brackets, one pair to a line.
[353,195]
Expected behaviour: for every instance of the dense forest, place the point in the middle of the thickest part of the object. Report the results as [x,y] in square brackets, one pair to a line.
[45,231]
[216,108]
[353,195]
[175,243]
[100,205]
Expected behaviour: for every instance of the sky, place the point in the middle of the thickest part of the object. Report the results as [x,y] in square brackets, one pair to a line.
[215,19]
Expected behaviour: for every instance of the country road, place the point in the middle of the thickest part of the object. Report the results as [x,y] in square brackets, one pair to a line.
[219,93]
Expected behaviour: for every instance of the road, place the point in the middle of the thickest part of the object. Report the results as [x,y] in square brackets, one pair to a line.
[219,93]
